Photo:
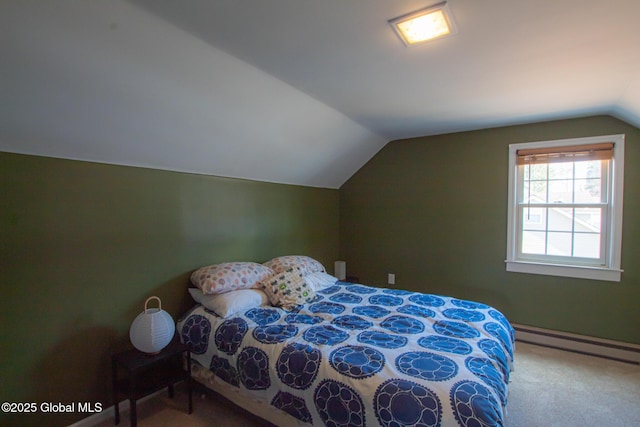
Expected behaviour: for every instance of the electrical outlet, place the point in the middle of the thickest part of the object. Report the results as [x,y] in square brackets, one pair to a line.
[392,279]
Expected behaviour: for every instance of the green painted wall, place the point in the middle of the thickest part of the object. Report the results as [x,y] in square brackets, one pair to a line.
[82,245]
[433,210]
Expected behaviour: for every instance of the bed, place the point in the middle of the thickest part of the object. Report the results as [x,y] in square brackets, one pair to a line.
[358,355]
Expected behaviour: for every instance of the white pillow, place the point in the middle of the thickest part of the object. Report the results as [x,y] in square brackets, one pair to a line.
[230,303]
[319,280]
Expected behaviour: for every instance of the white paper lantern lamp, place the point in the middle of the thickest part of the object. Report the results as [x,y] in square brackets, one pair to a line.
[153,329]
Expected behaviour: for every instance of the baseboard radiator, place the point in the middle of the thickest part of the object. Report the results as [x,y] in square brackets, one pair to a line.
[616,350]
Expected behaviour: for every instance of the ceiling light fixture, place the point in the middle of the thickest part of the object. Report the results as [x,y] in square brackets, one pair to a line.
[424,25]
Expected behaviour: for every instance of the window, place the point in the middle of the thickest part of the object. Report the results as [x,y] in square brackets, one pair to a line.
[565,207]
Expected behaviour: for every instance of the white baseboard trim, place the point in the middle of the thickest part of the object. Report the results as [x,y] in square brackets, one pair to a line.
[616,350]
[108,413]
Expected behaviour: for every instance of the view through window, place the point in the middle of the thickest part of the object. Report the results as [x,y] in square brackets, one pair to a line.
[562,207]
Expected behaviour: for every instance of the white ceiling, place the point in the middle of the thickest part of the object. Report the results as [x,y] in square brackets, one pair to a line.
[297,91]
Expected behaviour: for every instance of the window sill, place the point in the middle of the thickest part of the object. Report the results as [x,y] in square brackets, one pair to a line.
[579,272]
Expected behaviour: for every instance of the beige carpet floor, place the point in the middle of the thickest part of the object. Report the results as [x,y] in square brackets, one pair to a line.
[549,388]
[555,388]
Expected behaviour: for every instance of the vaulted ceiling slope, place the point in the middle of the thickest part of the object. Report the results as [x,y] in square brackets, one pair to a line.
[107,81]
[292,91]
[510,61]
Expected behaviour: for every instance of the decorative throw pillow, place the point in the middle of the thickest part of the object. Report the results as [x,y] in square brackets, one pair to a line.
[306,264]
[288,289]
[229,276]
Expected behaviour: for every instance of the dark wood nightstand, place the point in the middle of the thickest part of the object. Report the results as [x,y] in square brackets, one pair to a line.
[145,374]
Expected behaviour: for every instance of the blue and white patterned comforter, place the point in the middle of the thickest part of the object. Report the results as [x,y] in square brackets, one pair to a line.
[359,355]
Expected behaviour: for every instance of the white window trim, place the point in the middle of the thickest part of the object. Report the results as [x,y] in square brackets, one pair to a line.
[612,271]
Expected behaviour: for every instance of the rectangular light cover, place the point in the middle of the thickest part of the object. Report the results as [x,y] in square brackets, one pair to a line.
[424,25]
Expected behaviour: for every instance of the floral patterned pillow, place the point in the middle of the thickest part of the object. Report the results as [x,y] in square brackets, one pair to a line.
[288,289]
[229,276]
[306,264]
